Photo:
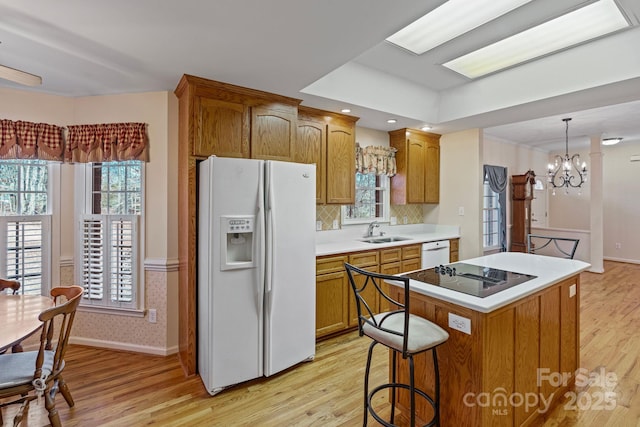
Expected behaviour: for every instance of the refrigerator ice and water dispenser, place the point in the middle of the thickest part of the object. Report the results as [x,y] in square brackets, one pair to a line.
[237,242]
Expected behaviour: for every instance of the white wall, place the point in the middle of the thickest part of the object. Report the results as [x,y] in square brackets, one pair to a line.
[366,137]
[460,188]
[621,202]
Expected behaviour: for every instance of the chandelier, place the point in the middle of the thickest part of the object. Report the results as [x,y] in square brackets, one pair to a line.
[567,171]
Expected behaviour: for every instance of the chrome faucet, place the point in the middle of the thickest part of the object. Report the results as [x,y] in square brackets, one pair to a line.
[372,225]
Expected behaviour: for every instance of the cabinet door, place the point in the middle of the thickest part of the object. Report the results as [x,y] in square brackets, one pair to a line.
[411,264]
[331,303]
[273,132]
[222,128]
[390,269]
[310,147]
[371,295]
[341,160]
[432,172]
[416,175]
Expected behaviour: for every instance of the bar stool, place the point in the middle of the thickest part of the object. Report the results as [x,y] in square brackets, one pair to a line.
[398,330]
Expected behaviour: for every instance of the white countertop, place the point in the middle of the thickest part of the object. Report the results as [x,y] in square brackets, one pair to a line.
[550,270]
[349,240]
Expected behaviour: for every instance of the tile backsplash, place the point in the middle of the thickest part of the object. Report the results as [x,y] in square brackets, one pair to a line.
[329,213]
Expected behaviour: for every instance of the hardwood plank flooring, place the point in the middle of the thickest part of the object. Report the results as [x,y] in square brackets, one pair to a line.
[114,388]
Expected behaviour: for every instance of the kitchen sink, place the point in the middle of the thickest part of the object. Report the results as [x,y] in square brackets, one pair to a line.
[381,239]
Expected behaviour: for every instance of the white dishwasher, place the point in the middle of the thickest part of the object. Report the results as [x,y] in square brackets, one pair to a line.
[435,253]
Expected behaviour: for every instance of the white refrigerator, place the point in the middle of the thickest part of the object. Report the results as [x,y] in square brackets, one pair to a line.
[256,269]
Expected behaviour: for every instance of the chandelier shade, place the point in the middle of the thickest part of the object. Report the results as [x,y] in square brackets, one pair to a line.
[567,172]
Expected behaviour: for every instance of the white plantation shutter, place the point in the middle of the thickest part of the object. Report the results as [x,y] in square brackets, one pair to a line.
[109,254]
[122,246]
[92,257]
[26,256]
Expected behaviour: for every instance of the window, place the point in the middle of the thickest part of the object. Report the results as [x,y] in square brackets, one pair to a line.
[109,252]
[491,218]
[25,223]
[372,200]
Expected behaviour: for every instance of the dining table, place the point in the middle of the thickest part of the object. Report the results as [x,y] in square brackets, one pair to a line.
[19,318]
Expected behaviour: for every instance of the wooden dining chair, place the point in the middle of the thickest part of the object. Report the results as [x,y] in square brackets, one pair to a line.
[9,284]
[14,285]
[26,375]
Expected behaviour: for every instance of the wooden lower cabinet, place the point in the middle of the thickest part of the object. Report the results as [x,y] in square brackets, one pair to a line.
[369,261]
[336,309]
[332,295]
[453,250]
[510,353]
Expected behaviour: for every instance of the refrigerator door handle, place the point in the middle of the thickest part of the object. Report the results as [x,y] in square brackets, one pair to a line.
[270,258]
[260,244]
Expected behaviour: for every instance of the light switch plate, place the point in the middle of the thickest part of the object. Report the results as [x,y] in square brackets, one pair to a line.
[460,323]
[318,225]
[572,291]
[335,224]
[394,220]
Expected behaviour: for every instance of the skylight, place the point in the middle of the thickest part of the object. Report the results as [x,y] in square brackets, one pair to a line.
[586,23]
[448,21]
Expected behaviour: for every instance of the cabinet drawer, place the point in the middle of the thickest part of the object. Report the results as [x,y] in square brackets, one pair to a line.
[412,251]
[330,264]
[390,255]
[410,265]
[364,259]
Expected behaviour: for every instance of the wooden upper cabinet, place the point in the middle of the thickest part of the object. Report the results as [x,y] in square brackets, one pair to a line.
[273,131]
[418,163]
[328,140]
[415,163]
[311,147]
[341,161]
[432,163]
[222,128]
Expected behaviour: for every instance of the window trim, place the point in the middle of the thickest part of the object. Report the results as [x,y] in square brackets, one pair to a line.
[485,185]
[386,205]
[54,195]
[83,200]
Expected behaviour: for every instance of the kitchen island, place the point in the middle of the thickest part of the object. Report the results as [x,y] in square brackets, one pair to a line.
[511,356]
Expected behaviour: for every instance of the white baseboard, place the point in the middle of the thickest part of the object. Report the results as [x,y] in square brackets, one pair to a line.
[629,261]
[113,345]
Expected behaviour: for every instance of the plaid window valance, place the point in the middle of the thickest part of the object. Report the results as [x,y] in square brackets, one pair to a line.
[107,142]
[84,143]
[26,140]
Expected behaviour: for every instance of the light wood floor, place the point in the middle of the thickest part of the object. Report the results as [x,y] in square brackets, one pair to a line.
[123,389]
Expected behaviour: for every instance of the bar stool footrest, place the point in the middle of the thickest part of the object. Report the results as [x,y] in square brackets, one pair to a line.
[432,422]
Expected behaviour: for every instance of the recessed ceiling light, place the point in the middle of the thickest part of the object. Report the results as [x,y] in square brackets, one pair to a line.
[426,127]
[611,141]
[591,21]
[392,121]
[346,110]
[448,21]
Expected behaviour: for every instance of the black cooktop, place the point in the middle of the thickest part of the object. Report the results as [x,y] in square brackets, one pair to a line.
[470,279]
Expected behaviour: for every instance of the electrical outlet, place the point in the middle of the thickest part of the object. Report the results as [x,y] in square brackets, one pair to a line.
[394,220]
[572,291]
[405,220]
[153,315]
[460,323]
[335,224]
[461,211]
[318,225]
[618,245]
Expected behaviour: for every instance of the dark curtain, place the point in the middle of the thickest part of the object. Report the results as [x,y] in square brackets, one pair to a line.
[497,178]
